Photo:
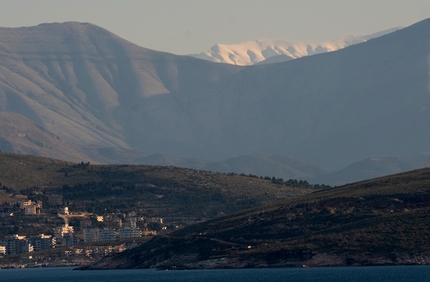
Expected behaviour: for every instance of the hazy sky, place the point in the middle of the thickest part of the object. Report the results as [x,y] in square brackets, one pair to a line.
[193,26]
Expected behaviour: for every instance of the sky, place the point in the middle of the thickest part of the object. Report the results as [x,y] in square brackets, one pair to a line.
[193,26]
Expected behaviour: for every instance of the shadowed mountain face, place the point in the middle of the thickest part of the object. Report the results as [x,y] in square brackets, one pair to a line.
[370,99]
[92,88]
[20,135]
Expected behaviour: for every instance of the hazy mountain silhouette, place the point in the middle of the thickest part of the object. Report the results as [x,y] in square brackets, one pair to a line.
[110,97]
[372,168]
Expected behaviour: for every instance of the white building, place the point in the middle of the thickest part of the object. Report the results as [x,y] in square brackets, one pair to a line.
[25,203]
[107,234]
[91,235]
[16,244]
[147,232]
[128,232]
[69,239]
[42,242]
[117,221]
[30,210]
[61,230]
[2,250]
[130,223]
[156,220]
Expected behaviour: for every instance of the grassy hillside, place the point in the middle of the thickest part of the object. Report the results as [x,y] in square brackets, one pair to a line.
[183,195]
[380,221]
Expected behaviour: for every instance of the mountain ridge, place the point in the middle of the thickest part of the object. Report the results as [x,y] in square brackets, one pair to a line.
[273,50]
[86,48]
[97,91]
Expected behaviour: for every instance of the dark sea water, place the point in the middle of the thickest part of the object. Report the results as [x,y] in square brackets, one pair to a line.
[348,274]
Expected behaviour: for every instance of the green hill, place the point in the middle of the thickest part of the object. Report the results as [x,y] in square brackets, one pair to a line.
[178,195]
[375,222]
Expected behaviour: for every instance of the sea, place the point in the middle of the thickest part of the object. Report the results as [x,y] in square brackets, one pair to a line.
[320,274]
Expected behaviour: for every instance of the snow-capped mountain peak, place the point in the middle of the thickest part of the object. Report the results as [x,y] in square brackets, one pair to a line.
[258,51]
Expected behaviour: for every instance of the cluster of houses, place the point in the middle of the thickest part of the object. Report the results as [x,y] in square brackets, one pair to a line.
[30,207]
[65,235]
[27,207]
[129,230]
[16,244]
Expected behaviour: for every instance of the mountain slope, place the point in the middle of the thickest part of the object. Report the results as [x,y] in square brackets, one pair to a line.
[91,88]
[372,168]
[178,195]
[377,222]
[289,168]
[369,99]
[83,83]
[20,135]
[279,166]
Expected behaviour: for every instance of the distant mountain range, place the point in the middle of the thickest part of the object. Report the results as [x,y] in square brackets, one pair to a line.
[275,51]
[76,91]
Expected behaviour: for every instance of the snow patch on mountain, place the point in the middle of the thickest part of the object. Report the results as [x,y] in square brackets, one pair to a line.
[253,52]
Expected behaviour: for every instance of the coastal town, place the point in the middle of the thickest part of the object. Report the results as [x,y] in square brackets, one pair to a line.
[75,238]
